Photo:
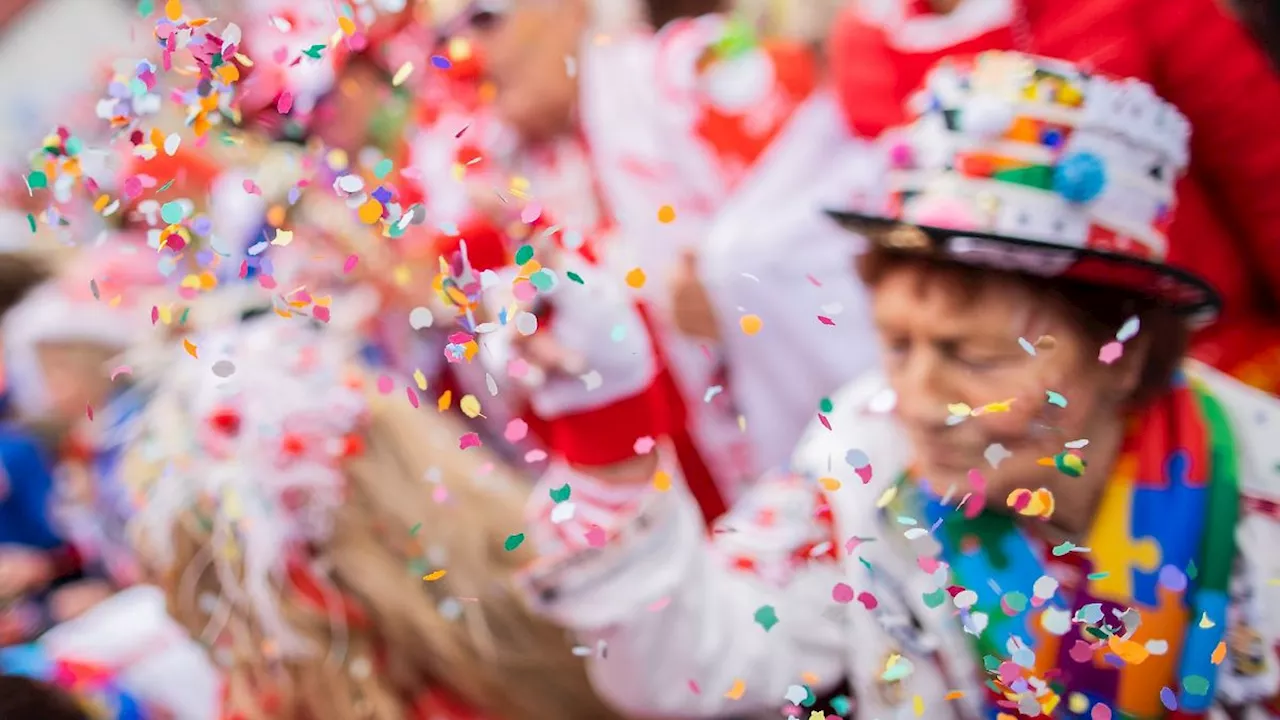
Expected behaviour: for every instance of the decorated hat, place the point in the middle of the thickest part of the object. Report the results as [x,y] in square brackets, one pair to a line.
[1035,166]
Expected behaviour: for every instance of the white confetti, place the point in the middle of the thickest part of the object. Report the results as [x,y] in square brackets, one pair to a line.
[1055,621]
[1129,329]
[562,512]
[491,385]
[796,694]
[526,323]
[995,454]
[421,317]
[592,380]
[1026,345]
[1077,444]
[171,144]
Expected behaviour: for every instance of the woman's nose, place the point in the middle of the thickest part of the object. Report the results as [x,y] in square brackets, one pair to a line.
[921,392]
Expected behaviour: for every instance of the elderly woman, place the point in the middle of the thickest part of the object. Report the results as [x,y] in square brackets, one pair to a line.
[1036,510]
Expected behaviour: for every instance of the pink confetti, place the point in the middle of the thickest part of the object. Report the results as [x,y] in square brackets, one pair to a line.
[644,445]
[868,600]
[813,280]
[864,473]
[1111,352]
[1101,711]
[155,314]
[530,214]
[516,430]
[535,456]
[320,313]
[928,564]
[439,494]
[693,686]
[385,384]
[251,187]
[659,604]
[823,419]
[1081,652]
[350,264]
[469,440]
[122,370]
[826,320]
[978,500]
[284,103]
[842,593]
[413,396]
[88,409]
[852,544]
[595,536]
[518,368]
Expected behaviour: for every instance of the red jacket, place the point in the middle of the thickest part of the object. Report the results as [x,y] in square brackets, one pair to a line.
[1195,55]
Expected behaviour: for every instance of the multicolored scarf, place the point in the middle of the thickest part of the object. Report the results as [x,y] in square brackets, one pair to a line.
[1130,626]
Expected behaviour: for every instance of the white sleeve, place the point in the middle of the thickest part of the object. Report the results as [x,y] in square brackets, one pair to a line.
[683,626]
[775,254]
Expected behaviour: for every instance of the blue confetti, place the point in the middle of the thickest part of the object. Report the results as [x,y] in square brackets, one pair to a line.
[441,62]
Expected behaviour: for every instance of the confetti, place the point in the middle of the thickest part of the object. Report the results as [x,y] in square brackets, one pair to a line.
[370,212]
[1027,346]
[644,445]
[766,617]
[440,62]
[842,593]
[661,481]
[736,692]
[470,406]
[469,440]
[190,347]
[403,74]
[1110,352]
[513,541]
[635,278]
[1129,329]
[1055,399]
[432,577]
[560,494]
[666,214]
[750,324]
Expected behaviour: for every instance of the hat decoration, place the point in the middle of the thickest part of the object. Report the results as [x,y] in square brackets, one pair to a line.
[251,438]
[1033,165]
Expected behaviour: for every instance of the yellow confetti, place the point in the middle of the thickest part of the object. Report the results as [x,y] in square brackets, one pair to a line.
[283,237]
[735,692]
[420,379]
[173,9]
[1130,652]
[636,278]
[661,481]
[276,216]
[346,25]
[190,347]
[165,314]
[445,401]
[1219,654]
[401,274]
[228,73]
[402,74]
[370,212]
[750,324]
[1205,622]
[470,406]
[666,214]
[995,407]
[959,409]
[917,704]
[829,484]
[432,577]
[100,203]
[887,497]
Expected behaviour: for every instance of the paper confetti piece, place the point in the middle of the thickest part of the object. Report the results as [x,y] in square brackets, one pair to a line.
[750,324]
[441,62]
[666,214]
[766,617]
[190,347]
[434,576]
[661,481]
[1129,329]
[561,494]
[513,542]
[470,406]
[385,384]
[402,74]
[370,212]
[635,278]
[173,10]
[446,399]
[1055,398]
[842,593]
[736,692]
[1110,352]
[350,263]
[469,440]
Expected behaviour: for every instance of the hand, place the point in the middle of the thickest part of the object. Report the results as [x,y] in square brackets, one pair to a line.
[23,570]
[690,304]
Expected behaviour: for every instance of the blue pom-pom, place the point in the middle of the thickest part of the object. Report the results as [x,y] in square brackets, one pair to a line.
[1080,177]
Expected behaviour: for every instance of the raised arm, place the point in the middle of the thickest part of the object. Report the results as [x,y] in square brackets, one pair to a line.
[682,626]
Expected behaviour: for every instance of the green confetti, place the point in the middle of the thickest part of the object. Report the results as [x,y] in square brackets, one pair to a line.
[513,542]
[314,51]
[1195,684]
[172,212]
[935,598]
[183,320]
[383,168]
[575,277]
[561,493]
[842,705]
[826,406]
[37,180]
[1064,548]
[1097,576]
[414,530]
[766,617]
[165,186]
[1056,399]
[1192,571]
[524,254]
[31,220]
[1016,601]
[146,7]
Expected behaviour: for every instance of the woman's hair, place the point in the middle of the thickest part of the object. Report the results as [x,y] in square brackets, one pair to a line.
[1097,311]
[380,633]
[26,699]
[19,274]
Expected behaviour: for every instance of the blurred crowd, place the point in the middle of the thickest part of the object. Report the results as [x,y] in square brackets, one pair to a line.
[591,359]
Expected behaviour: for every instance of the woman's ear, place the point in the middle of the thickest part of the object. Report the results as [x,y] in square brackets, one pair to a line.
[1127,371]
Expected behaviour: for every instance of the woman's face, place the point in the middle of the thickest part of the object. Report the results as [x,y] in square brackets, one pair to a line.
[970,395]
[76,378]
[528,53]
